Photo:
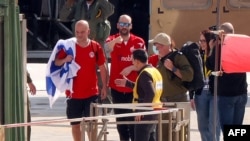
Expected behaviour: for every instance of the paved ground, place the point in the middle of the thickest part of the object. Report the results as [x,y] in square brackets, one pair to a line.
[40,111]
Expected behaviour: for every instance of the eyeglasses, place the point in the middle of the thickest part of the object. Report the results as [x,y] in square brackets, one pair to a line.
[202,41]
[122,24]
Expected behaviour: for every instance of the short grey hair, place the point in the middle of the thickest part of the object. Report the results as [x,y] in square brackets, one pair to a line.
[227,27]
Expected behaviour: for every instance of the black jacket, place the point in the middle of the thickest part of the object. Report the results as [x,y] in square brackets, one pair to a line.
[229,84]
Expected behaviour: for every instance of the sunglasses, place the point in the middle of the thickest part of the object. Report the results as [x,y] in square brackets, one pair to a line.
[122,24]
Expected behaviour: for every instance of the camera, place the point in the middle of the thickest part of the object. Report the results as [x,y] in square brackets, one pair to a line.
[213,28]
[213,36]
[214,32]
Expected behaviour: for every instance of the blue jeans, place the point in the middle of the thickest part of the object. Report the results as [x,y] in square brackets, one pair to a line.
[232,109]
[204,104]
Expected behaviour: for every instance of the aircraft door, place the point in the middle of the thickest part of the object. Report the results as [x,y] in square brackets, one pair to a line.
[181,20]
[237,12]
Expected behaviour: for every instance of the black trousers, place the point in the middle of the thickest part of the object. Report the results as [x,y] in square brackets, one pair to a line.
[126,131]
[145,132]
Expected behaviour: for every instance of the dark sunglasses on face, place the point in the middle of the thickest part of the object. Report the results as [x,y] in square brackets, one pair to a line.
[121,24]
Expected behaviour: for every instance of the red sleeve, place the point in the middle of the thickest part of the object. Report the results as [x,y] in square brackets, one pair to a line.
[153,60]
[111,37]
[61,54]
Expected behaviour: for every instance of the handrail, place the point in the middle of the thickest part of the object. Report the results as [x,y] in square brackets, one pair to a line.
[176,122]
[87,118]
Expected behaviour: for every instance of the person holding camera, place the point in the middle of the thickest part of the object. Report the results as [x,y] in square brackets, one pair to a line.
[231,87]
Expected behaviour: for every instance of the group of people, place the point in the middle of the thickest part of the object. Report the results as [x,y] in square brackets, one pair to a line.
[123,48]
[137,77]
[231,89]
[131,77]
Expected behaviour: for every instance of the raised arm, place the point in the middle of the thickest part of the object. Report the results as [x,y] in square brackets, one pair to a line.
[107,8]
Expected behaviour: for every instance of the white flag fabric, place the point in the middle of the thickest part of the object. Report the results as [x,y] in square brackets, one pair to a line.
[60,78]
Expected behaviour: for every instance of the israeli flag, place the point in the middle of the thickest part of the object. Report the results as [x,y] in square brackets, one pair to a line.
[60,78]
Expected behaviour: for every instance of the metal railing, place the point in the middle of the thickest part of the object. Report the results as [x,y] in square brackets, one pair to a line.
[178,124]
[178,119]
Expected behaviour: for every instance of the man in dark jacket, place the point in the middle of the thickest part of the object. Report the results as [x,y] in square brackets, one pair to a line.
[174,70]
[146,89]
[231,88]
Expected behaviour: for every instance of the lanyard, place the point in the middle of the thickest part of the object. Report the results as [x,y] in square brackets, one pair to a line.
[207,72]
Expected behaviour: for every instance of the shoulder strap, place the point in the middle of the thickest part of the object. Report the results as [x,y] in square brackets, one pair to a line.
[170,56]
[94,48]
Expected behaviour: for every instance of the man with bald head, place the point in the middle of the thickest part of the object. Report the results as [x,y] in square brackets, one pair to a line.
[231,87]
[121,46]
[87,54]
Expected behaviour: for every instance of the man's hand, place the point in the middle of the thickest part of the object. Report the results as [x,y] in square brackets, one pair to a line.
[192,104]
[111,44]
[32,88]
[120,82]
[68,58]
[138,118]
[60,62]
[168,64]
[118,40]
[104,92]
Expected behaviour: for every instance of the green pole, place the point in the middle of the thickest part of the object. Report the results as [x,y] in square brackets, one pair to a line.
[13,73]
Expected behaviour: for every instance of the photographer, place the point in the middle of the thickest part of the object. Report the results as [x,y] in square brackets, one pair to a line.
[231,87]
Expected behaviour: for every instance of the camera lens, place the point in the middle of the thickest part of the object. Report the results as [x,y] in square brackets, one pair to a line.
[213,36]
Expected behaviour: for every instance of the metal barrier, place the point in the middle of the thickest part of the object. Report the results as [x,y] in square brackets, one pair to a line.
[178,124]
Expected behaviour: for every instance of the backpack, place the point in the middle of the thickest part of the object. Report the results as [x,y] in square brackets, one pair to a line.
[192,53]
[103,30]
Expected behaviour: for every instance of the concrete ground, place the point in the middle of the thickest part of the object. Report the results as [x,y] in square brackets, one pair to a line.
[40,111]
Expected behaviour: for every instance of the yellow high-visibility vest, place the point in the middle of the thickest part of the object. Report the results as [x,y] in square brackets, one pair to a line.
[158,86]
